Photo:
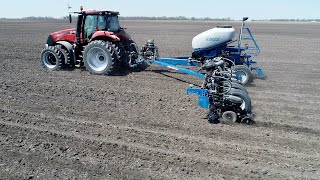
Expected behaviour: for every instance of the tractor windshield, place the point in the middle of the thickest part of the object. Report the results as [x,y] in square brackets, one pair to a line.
[113,24]
[108,23]
[100,22]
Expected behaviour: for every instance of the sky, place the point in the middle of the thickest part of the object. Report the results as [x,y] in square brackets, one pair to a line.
[235,9]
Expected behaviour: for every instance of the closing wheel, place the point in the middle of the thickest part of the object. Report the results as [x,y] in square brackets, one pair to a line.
[244,74]
[51,58]
[247,120]
[100,58]
[229,116]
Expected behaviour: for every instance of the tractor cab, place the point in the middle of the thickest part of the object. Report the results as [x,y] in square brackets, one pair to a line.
[91,22]
[94,24]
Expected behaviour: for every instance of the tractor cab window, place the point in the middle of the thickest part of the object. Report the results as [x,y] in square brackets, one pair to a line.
[102,24]
[90,26]
[108,23]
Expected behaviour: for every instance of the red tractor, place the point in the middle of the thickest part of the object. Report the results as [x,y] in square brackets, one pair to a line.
[98,43]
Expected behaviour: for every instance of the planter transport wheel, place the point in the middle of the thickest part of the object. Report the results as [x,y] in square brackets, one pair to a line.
[244,74]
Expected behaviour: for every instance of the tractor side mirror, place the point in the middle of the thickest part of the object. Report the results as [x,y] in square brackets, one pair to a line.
[70,18]
[245,18]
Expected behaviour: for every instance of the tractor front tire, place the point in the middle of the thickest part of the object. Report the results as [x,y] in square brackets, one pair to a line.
[244,73]
[65,55]
[99,58]
[51,58]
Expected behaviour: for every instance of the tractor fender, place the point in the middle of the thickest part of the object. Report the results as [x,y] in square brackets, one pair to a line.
[70,49]
[104,34]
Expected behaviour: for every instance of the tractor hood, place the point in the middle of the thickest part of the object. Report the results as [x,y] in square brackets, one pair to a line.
[62,35]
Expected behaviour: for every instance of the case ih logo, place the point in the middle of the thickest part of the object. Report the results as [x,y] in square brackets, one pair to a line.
[213,39]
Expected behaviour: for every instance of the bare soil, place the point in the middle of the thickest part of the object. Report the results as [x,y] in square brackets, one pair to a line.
[142,125]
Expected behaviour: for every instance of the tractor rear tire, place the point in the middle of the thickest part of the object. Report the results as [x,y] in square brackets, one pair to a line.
[99,58]
[243,96]
[51,58]
[244,72]
[121,55]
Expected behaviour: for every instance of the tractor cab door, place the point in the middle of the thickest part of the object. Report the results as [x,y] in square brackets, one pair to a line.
[90,26]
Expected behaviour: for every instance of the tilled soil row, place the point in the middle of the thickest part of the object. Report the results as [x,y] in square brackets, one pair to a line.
[218,151]
[123,155]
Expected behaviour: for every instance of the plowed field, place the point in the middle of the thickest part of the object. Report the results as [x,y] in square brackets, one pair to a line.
[74,125]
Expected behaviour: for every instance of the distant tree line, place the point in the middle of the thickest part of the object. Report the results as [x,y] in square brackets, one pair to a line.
[38,17]
[183,18]
[173,18]
[290,20]
[164,18]
[140,18]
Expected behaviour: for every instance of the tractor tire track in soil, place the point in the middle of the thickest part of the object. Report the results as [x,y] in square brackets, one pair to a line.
[71,124]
